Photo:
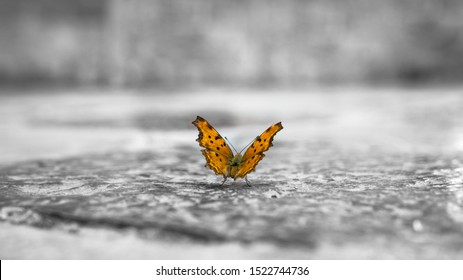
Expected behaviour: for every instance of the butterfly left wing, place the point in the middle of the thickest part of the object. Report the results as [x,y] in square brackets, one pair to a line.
[217,152]
[216,162]
[255,152]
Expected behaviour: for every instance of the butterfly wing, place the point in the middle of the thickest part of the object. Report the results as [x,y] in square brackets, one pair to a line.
[217,152]
[216,162]
[255,152]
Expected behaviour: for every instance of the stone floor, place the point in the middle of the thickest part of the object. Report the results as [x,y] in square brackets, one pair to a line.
[356,173]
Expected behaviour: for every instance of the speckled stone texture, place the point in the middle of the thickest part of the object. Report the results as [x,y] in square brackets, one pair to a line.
[354,174]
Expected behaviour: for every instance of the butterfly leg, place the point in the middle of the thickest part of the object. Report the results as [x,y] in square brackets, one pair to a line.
[247,181]
[224,179]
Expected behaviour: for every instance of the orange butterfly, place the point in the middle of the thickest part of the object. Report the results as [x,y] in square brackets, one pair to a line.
[220,157]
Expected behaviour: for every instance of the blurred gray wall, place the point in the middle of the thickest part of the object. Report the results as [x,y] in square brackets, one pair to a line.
[52,41]
[238,42]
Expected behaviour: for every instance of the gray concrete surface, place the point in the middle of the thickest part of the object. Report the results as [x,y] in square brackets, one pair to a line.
[356,173]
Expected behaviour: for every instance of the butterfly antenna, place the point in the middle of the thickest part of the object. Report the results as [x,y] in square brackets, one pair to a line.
[230,144]
[248,145]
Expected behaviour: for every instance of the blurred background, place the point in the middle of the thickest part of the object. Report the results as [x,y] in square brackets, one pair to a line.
[97,100]
[178,43]
[89,76]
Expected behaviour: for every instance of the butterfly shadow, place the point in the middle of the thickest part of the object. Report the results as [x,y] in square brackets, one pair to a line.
[240,184]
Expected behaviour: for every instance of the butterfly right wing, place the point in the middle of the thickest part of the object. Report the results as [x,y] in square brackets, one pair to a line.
[217,152]
[255,152]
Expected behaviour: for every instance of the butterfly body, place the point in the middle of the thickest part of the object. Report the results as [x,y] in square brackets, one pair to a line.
[219,156]
[234,166]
